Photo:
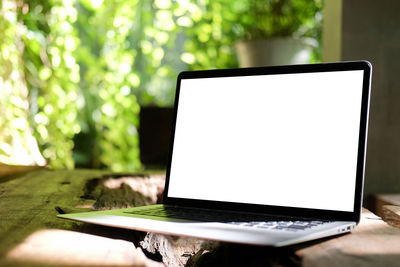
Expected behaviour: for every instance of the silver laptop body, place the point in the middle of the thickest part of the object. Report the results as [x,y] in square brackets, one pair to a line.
[264,156]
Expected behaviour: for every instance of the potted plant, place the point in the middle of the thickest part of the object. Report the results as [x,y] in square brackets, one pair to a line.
[276,32]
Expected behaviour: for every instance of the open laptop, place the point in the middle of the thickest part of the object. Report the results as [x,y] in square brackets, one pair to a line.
[264,156]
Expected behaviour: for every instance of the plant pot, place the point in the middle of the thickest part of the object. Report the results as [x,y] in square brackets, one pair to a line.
[276,51]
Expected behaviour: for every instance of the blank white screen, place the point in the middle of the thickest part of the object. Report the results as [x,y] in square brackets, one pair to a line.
[284,140]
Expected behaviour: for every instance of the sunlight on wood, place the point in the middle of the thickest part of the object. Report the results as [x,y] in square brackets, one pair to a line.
[63,247]
[148,186]
[372,243]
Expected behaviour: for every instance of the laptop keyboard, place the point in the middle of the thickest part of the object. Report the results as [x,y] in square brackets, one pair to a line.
[282,225]
[242,219]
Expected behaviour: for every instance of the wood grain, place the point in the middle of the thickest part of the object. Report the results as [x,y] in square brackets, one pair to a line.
[380,200]
[391,215]
[32,235]
[29,205]
[372,243]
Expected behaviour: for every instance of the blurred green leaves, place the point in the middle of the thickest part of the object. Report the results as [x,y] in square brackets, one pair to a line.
[52,75]
[17,146]
[74,73]
[255,19]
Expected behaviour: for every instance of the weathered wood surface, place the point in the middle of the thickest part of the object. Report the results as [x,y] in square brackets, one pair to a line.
[372,243]
[8,170]
[380,200]
[391,215]
[31,234]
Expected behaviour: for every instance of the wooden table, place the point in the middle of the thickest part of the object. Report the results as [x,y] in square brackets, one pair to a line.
[32,235]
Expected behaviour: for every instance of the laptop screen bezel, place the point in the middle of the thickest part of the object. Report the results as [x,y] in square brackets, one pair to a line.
[279,210]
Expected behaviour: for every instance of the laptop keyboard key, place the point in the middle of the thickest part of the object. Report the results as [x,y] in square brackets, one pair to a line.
[242,219]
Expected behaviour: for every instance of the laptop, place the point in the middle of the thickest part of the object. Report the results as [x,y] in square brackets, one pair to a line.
[263,156]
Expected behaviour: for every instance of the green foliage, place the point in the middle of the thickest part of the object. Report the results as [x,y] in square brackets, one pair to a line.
[13,93]
[210,40]
[77,71]
[109,110]
[17,146]
[255,19]
[50,58]
[52,74]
